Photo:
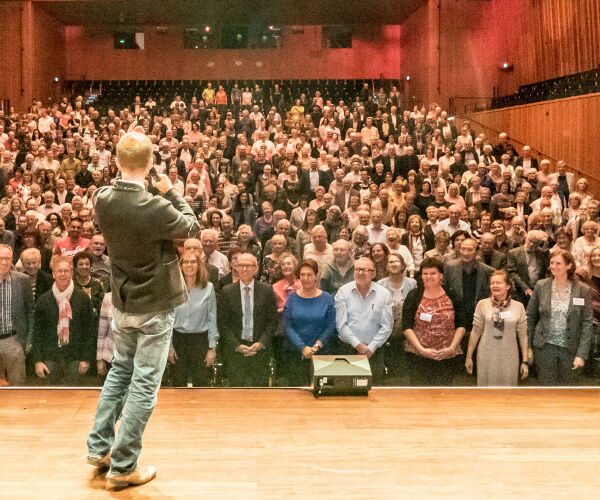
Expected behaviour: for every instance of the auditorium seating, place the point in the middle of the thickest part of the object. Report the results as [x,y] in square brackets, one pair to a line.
[120,93]
[567,86]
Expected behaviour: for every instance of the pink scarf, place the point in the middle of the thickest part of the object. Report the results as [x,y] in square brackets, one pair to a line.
[65,314]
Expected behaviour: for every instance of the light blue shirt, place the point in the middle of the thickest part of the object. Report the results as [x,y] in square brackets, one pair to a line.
[199,314]
[446,226]
[247,316]
[368,321]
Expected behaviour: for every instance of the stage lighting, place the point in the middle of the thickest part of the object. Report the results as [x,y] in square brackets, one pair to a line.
[506,66]
[407,77]
[207,29]
[56,78]
[271,27]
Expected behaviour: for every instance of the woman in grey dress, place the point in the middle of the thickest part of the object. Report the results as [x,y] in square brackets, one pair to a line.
[499,331]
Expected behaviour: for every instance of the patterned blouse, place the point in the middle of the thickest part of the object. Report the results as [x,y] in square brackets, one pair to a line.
[439,332]
[558,318]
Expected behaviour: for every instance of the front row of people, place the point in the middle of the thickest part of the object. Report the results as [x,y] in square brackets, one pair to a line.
[426,316]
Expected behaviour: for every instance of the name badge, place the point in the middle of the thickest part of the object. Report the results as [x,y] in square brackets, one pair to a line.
[578,301]
[426,317]
[506,315]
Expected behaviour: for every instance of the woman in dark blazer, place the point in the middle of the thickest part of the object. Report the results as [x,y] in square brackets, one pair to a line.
[243,211]
[559,323]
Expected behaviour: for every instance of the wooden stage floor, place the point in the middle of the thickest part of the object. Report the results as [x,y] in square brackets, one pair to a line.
[282,443]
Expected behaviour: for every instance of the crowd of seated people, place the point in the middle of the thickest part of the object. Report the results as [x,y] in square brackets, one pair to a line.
[443,256]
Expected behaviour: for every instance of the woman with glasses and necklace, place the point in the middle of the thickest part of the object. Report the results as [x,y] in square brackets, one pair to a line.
[499,332]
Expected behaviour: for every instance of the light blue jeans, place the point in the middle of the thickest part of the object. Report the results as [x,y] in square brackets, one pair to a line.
[140,354]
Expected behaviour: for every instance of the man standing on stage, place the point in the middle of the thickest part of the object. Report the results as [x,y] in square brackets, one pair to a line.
[146,286]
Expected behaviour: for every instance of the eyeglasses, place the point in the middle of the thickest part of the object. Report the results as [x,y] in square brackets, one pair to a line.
[188,262]
[246,266]
[363,270]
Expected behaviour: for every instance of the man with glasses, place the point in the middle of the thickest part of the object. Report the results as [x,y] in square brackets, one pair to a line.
[364,316]
[247,320]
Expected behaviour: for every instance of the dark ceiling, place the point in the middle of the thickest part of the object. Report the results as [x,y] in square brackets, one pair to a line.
[232,12]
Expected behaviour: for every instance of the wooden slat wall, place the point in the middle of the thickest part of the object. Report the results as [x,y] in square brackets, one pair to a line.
[561,37]
[563,129]
[10,46]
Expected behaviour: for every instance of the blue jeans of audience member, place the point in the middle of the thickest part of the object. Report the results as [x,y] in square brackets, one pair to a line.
[140,354]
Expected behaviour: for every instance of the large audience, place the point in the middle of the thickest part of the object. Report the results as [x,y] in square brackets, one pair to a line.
[442,255]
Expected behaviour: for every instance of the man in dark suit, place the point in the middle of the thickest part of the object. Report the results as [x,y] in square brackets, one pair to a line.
[528,264]
[468,279]
[176,162]
[246,125]
[39,281]
[62,194]
[447,128]
[527,160]
[66,360]
[16,322]
[314,177]
[406,163]
[390,161]
[147,286]
[342,198]
[503,146]
[247,318]
[488,254]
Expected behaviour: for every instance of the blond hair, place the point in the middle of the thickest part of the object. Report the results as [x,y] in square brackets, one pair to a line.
[134,151]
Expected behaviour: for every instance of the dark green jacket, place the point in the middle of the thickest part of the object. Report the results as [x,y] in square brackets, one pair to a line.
[139,230]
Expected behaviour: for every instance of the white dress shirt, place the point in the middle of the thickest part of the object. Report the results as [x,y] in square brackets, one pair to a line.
[219,260]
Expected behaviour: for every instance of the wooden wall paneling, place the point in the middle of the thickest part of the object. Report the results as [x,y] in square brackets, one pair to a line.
[559,37]
[544,39]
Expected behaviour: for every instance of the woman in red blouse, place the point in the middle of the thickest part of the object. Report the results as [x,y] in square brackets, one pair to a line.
[433,326]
